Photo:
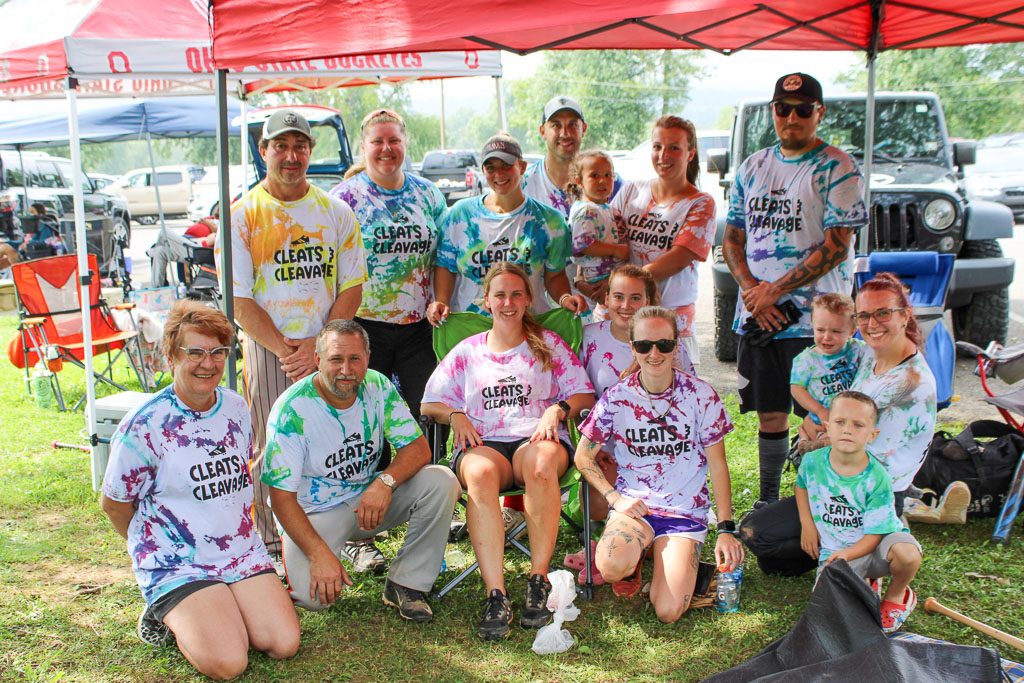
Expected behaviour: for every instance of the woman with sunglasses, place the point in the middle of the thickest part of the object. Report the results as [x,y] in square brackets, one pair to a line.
[667,430]
[670,223]
[178,488]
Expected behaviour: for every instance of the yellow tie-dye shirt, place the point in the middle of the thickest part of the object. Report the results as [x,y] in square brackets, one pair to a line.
[294,258]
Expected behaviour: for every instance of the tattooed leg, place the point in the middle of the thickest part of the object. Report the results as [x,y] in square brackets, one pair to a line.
[621,546]
[675,575]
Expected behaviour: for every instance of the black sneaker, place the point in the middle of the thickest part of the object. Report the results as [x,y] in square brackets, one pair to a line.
[365,556]
[497,617]
[535,607]
[151,631]
[411,604]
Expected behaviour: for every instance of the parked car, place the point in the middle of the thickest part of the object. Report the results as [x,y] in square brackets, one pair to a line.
[918,203]
[636,164]
[138,188]
[331,155]
[456,172]
[1002,140]
[998,176]
[206,192]
[101,181]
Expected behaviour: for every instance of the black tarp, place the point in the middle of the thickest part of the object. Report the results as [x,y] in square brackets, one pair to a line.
[839,638]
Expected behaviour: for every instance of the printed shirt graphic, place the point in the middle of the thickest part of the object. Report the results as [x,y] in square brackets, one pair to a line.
[661,461]
[595,223]
[651,230]
[294,258]
[538,185]
[825,376]
[473,238]
[785,206]
[905,397]
[605,357]
[846,508]
[327,455]
[400,233]
[188,474]
[505,394]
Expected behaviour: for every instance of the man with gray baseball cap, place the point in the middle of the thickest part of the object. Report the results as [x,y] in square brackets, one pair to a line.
[298,263]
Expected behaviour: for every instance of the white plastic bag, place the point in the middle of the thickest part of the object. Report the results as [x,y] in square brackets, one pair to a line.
[553,638]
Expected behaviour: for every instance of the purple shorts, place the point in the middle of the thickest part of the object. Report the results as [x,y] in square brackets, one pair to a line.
[676,526]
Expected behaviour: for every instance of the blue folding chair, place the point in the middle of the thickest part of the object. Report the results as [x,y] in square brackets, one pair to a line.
[926,274]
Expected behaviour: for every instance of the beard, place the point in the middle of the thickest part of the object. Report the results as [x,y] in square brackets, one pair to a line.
[338,391]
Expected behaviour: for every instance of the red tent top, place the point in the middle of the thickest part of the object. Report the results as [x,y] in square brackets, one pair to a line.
[244,33]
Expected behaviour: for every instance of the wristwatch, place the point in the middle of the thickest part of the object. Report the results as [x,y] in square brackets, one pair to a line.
[726,527]
[566,408]
[387,480]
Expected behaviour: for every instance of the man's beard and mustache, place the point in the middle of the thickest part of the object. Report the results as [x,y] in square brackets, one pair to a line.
[338,391]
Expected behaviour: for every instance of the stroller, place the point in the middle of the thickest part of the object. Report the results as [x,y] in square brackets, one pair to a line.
[201,273]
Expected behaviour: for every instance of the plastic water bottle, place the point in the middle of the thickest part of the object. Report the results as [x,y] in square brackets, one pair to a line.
[41,387]
[729,588]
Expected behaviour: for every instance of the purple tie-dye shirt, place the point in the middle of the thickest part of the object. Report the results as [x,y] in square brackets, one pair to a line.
[187,472]
[661,461]
[505,394]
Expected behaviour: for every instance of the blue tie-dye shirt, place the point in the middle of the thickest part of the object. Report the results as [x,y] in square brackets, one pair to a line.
[473,238]
[400,230]
[188,474]
[785,205]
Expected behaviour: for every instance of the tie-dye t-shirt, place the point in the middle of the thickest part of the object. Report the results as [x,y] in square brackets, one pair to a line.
[652,229]
[905,397]
[187,472]
[785,206]
[400,231]
[327,455]
[294,258]
[825,376]
[538,185]
[505,393]
[605,357]
[473,238]
[846,508]
[595,223]
[661,460]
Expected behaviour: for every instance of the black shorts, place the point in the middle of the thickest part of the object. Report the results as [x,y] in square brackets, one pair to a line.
[507,449]
[763,374]
[168,601]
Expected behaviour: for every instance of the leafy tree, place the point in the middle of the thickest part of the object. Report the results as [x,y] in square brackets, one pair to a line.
[981,86]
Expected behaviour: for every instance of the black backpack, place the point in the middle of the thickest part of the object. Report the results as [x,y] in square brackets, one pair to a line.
[986,468]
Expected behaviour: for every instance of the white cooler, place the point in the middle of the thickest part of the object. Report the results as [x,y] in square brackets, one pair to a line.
[109,412]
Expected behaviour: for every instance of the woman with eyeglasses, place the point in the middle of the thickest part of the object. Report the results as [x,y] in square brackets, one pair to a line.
[667,431]
[178,488]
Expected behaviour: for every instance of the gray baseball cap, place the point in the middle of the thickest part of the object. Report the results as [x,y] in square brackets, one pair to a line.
[560,102]
[286,121]
[502,147]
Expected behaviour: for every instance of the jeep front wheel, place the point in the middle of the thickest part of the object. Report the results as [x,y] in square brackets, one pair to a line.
[986,317]
[725,339]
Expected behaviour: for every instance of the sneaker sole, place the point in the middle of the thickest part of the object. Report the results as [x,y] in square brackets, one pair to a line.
[955,501]
[497,635]
[536,623]
[417,620]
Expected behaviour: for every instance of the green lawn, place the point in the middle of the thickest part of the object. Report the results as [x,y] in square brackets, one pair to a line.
[69,604]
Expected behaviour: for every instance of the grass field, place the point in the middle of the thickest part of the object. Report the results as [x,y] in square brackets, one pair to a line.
[69,604]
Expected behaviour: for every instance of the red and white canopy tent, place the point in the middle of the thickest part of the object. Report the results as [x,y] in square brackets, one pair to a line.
[131,48]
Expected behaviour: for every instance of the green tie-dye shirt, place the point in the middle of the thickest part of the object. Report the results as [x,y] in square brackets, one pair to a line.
[327,455]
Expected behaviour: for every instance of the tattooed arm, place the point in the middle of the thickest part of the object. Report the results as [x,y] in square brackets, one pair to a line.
[586,462]
[734,251]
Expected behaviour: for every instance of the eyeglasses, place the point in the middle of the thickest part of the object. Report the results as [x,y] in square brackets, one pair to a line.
[645,345]
[198,355]
[882,315]
[377,112]
[803,110]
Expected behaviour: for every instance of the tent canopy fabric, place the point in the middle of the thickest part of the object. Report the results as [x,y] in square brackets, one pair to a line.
[180,117]
[244,34]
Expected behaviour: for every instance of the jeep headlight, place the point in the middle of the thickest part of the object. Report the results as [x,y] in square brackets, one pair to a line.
[939,214]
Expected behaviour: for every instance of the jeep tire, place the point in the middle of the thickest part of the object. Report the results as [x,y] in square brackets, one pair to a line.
[725,339]
[986,317]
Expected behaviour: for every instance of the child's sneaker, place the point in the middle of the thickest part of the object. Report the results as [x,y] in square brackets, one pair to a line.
[894,615]
[630,585]
[953,506]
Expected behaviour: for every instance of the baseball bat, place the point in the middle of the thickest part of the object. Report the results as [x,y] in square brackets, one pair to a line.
[71,446]
[1010,506]
[933,605]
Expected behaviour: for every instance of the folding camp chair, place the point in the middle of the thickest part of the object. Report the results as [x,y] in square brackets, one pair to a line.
[459,326]
[926,274]
[201,273]
[51,327]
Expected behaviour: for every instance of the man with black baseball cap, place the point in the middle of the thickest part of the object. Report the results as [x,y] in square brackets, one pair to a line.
[794,209]
[297,263]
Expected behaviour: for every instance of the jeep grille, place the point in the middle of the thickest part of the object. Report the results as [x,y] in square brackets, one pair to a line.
[896,223]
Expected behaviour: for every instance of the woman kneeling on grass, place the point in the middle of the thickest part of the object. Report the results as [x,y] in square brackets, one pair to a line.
[506,393]
[177,487]
[667,429]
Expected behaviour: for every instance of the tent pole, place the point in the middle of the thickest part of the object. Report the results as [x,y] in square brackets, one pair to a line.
[245,144]
[24,180]
[156,184]
[84,281]
[869,147]
[441,81]
[223,170]
[501,105]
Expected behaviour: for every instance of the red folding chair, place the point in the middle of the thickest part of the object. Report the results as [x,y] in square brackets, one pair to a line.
[50,326]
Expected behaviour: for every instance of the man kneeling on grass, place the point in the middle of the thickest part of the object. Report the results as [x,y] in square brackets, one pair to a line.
[846,508]
[325,438]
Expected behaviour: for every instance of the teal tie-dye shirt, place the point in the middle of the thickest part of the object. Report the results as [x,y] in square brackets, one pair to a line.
[473,238]
[327,455]
[845,509]
[825,377]
[400,232]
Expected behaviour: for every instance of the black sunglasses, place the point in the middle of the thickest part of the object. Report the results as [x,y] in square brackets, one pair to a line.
[803,110]
[645,345]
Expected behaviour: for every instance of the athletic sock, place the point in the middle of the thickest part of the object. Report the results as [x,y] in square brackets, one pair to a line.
[772,448]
